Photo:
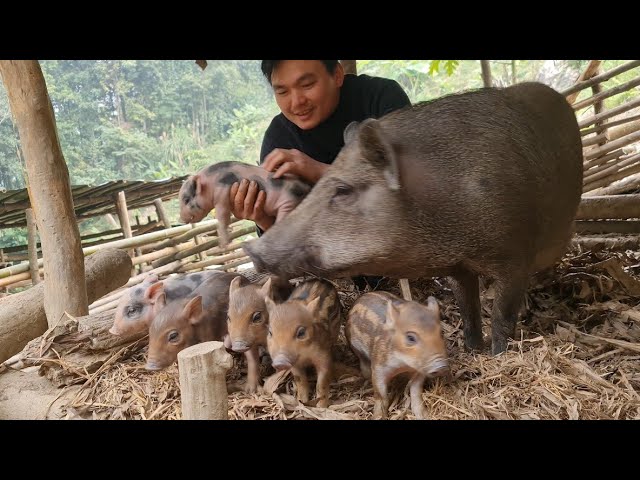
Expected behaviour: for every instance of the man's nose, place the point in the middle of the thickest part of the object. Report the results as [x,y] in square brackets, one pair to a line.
[298,98]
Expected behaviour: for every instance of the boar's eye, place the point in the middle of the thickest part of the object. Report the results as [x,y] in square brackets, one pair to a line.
[300,333]
[257,317]
[411,338]
[342,190]
[173,336]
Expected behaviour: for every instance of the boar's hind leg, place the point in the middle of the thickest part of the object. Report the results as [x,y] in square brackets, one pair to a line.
[509,293]
[465,289]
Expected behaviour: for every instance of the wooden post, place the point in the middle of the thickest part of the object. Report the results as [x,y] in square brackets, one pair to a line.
[203,383]
[486,73]
[349,67]
[123,216]
[2,289]
[406,291]
[162,215]
[32,243]
[49,189]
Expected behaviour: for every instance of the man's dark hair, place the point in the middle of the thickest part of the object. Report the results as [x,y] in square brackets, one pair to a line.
[267,67]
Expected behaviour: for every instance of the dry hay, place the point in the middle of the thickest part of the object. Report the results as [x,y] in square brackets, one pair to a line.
[576,357]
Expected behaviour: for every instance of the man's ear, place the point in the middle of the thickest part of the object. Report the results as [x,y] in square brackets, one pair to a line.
[338,75]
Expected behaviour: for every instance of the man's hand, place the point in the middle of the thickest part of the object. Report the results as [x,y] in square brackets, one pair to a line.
[295,162]
[248,203]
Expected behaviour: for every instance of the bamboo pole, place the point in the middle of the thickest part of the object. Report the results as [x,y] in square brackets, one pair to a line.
[214,261]
[202,247]
[621,142]
[606,94]
[609,113]
[162,215]
[119,244]
[602,160]
[584,77]
[626,184]
[616,167]
[609,207]
[624,173]
[587,79]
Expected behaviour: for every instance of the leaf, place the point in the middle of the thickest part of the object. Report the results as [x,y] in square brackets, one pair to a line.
[434,67]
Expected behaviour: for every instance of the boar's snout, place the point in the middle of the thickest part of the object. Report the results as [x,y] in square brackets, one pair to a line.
[281,362]
[240,346]
[439,368]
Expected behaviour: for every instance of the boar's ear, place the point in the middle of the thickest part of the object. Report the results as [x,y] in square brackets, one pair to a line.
[270,304]
[392,312]
[153,291]
[193,309]
[432,304]
[234,285]
[375,147]
[265,291]
[312,306]
[350,131]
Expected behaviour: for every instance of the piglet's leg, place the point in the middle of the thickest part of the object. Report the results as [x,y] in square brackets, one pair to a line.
[253,365]
[223,214]
[416,387]
[323,369]
[380,394]
[302,384]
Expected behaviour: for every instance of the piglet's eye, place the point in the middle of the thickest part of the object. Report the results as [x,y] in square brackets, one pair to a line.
[173,336]
[300,333]
[411,339]
[257,317]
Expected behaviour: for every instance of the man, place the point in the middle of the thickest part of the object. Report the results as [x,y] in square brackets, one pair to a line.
[317,101]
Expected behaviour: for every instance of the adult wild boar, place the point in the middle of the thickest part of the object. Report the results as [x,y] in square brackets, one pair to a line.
[485,182]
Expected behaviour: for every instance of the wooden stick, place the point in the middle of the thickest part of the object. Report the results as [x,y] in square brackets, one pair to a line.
[587,79]
[572,92]
[214,261]
[162,215]
[486,73]
[621,142]
[609,206]
[192,232]
[32,241]
[611,169]
[145,239]
[595,139]
[596,244]
[123,215]
[606,94]
[406,291]
[626,184]
[602,160]
[202,247]
[203,381]
[587,131]
[624,173]
[235,263]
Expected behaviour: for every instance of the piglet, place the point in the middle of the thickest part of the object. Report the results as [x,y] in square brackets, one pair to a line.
[185,322]
[248,320]
[302,331]
[209,188]
[136,308]
[391,336]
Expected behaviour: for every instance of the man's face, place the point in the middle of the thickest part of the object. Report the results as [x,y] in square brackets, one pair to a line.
[305,91]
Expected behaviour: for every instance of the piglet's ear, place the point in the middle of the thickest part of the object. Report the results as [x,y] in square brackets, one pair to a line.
[193,309]
[199,184]
[160,302]
[153,291]
[265,291]
[234,285]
